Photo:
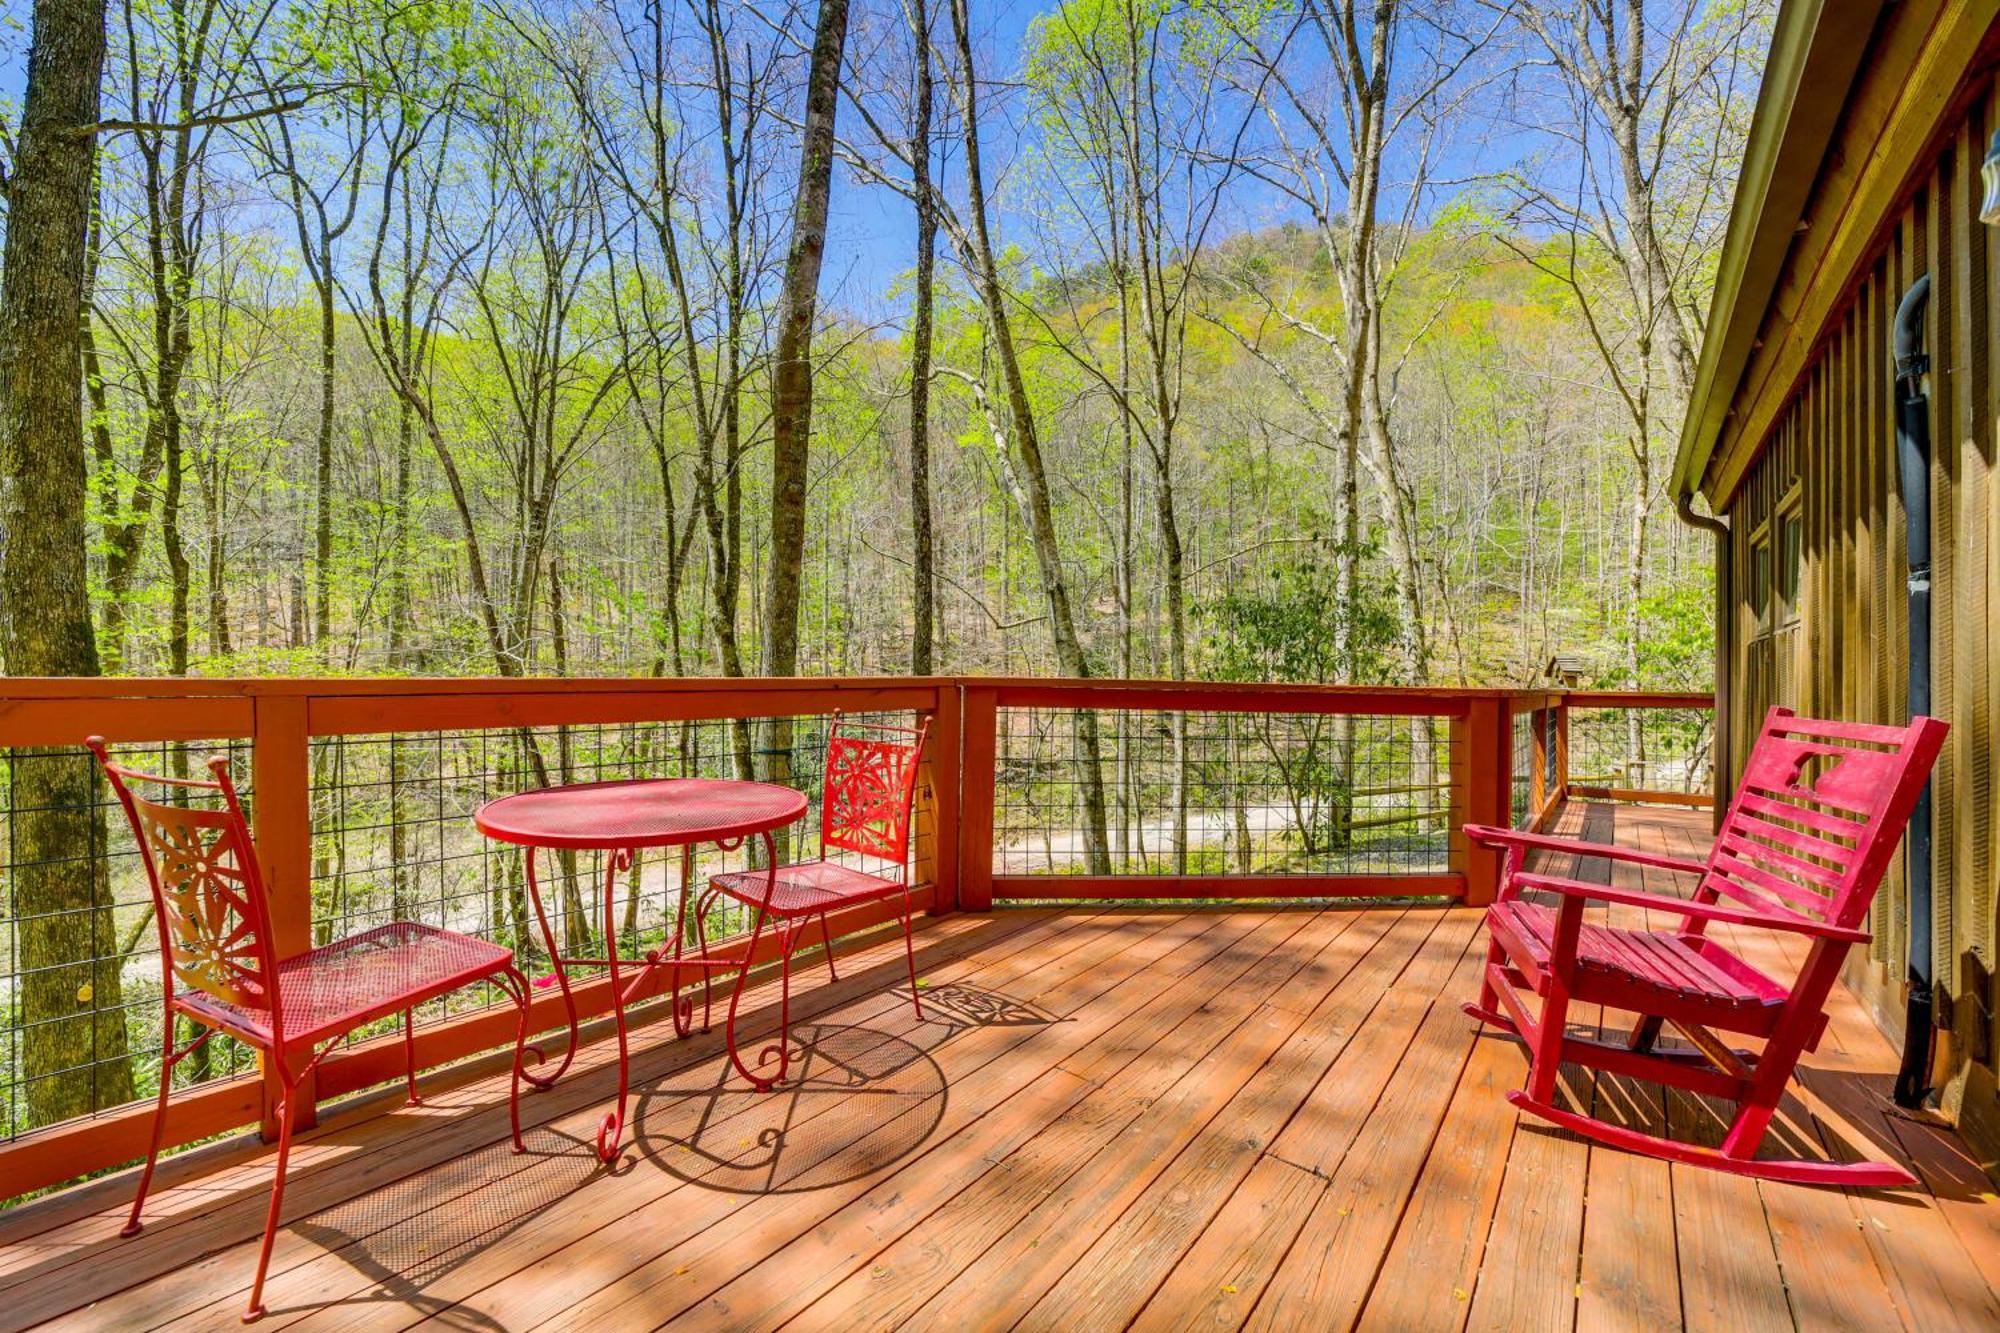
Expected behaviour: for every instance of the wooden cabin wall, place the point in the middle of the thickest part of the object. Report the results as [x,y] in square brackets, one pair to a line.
[1829,460]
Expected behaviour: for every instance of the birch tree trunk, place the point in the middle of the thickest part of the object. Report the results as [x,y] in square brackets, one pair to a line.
[792,370]
[792,378]
[1038,511]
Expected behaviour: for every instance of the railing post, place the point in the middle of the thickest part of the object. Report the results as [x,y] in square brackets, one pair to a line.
[979,716]
[1562,748]
[946,778]
[1538,774]
[1488,790]
[281,793]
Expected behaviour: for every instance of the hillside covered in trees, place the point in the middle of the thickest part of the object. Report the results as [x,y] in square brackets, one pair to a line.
[1327,342]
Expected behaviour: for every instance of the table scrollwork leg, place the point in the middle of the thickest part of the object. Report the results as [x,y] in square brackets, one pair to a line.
[612,1127]
[683,1008]
[757,1079]
[561,975]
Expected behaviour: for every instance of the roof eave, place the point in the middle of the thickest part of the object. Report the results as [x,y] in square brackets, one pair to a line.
[1816,52]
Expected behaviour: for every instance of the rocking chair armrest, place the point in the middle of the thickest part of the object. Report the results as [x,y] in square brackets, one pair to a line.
[1736,916]
[1487,835]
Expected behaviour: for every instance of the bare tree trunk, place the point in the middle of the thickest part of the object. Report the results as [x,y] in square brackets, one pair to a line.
[73,1049]
[1399,527]
[923,632]
[323,475]
[178,572]
[792,378]
[215,575]
[1038,511]
[792,373]
[1635,592]
[397,205]
[400,655]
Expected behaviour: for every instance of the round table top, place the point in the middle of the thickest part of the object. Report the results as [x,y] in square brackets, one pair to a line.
[643,812]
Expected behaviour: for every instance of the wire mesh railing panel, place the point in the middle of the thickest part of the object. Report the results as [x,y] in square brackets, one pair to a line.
[394,836]
[1641,749]
[1521,793]
[80,973]
[1150,792]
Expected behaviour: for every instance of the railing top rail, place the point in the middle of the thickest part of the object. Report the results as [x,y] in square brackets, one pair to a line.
[1527,701]
[179,687]
[1639,699]
[156,687]
[44,710]
[1012,685]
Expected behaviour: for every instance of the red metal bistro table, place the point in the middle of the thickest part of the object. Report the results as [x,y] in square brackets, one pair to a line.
[620,819]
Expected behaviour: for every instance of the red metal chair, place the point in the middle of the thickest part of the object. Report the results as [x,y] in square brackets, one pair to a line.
[1803,847]
[218,964]
[865,805]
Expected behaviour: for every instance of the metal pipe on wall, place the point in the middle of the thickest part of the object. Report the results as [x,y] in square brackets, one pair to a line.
[1913,468]
[1725,645]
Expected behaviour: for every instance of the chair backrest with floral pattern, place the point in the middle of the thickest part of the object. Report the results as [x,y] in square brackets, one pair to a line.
[208,889]
[871,785]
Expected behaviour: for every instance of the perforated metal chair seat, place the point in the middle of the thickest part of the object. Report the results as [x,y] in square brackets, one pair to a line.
[341,985]
[806,889]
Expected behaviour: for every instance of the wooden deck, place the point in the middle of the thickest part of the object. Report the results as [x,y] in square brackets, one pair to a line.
[1275,1119]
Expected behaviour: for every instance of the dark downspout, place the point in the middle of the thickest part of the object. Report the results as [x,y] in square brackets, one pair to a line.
[1725,646]
[1913,467]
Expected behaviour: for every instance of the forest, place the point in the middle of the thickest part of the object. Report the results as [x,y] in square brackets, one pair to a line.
[1166,339]
[1192,339]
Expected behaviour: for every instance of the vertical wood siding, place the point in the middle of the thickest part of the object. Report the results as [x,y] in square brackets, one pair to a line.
[1831,453]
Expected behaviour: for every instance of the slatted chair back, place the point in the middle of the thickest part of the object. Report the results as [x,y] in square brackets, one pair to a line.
[1810,829]
[870,788]
[208,889]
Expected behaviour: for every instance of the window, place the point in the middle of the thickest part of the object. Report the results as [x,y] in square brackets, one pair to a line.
[1773,591]
[1791,549]
[1760,582]
[1787,636]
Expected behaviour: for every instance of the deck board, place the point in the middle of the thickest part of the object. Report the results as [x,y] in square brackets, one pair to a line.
[1629,1215]
[1148,1119]
[559,1268]
[674,1253]
[1130,1258]
[968,1200]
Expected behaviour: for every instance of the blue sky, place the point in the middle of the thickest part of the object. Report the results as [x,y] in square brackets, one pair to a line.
[871,234]
[871,229]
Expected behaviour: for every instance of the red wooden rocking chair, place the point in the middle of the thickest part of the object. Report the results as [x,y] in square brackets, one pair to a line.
[865,805]
[218,963]
[1803,847]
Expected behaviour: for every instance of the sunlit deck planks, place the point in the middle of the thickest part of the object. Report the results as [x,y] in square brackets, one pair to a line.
[1238,1117]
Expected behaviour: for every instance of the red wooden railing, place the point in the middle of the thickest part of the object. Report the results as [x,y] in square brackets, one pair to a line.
[1467,737]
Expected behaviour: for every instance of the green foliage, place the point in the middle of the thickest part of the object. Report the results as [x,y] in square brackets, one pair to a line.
[1677,648]
[555,319]
[1292,625]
